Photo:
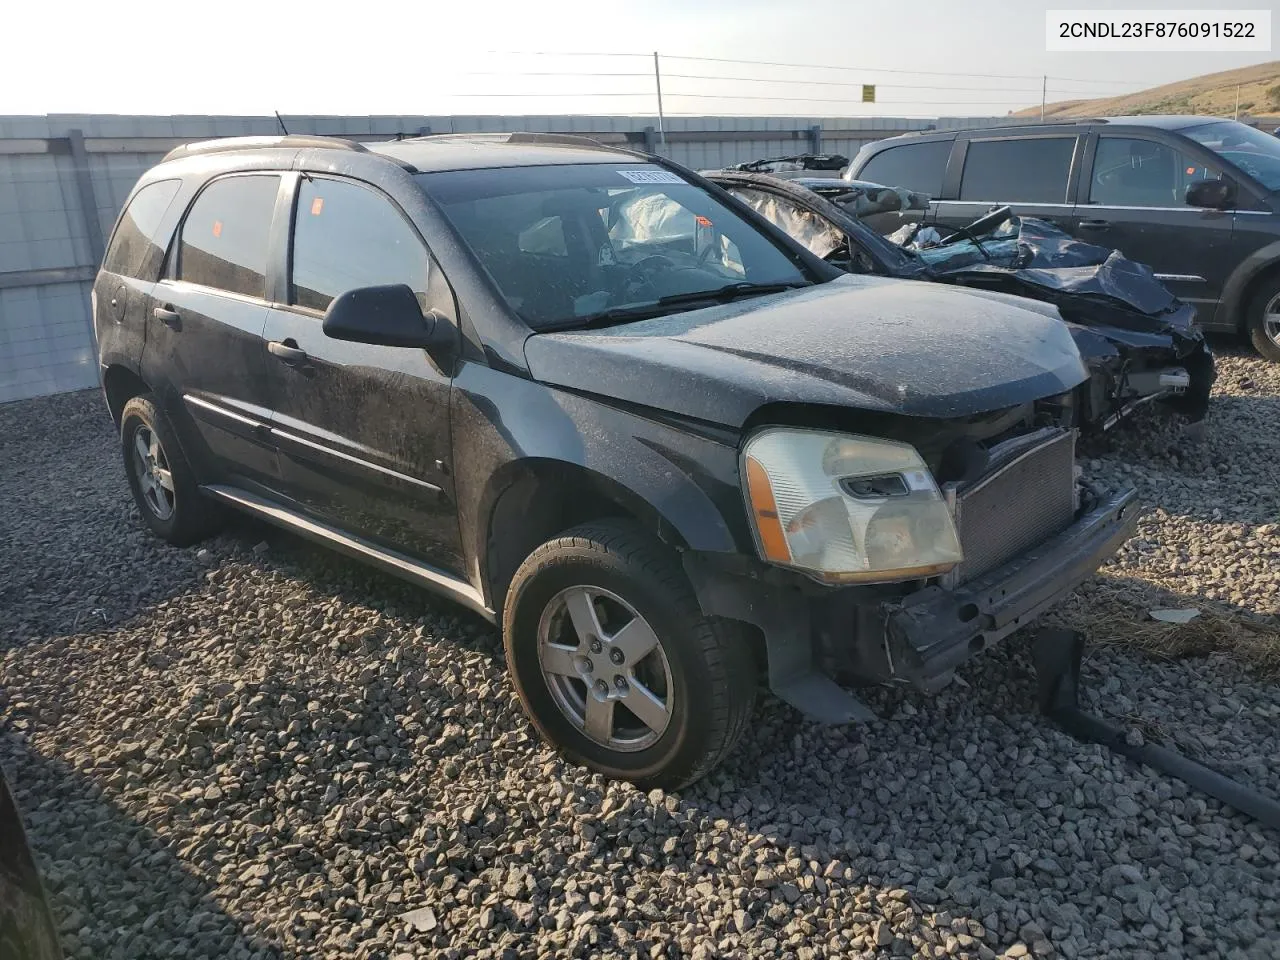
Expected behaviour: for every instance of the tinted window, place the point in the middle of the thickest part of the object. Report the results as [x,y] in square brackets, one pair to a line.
[135,248]
[1142,173]
[347,236]
[916,166]
[225,235]
[1032,170]
[565,243]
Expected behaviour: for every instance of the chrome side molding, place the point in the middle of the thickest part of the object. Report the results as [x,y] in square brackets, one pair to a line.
[392,562]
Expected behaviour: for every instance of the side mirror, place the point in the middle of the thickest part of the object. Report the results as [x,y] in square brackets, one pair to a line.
[388,316]
[1211,194]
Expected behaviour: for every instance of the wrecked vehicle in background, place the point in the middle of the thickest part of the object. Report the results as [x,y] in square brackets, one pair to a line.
[826,165]
[1139,342]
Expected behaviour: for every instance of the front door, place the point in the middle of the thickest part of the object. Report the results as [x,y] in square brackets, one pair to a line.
[362,430]
[204,342]
[1134,202]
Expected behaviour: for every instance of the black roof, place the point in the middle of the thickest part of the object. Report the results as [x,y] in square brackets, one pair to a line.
[474,151]
[434,153]
[1162,121]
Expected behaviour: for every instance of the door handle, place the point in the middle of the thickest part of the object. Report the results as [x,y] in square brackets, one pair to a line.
[288,351]
[166,315]
[1094,225]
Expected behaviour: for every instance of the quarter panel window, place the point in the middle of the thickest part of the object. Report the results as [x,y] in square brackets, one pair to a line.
[136,249]
[916,166]
[1030,170]
[226,235]
[1128,172]
[347,236]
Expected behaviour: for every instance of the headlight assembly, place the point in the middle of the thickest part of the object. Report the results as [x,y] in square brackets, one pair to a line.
[846,509]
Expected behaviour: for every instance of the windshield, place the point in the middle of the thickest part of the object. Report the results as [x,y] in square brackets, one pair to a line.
[1254,152]
[568,244]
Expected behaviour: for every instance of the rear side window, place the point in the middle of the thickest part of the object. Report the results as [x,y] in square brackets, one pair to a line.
[1030,170]
[226,235]
[916,166]
[347,236]
[136,249]
[1143,173]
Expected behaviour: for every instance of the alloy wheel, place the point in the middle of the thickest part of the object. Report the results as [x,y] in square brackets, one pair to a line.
[1271,320]
[605,668]
[154,476]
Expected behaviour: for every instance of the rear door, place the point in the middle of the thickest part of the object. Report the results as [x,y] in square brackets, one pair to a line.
[1132,199]
[204,348]
[1034,174]
[362,430]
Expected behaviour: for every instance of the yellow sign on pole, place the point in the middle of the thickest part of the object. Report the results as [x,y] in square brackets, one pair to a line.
[868,93]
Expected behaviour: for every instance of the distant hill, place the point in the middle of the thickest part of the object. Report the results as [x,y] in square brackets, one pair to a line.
[1212,94]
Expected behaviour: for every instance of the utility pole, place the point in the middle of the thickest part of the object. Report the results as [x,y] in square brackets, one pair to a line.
[1044,89]
[657,79]
[1236,115]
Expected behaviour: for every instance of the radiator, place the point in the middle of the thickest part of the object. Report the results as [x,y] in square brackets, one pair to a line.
[1027,496]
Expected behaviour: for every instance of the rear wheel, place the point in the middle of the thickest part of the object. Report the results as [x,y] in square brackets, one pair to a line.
[163,484]
[615,663]
[1264,320]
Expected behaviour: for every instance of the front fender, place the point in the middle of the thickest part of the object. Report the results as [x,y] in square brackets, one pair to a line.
[1231,307]
[681,483]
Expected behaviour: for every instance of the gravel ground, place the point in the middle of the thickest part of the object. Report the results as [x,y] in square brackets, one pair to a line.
[258,749]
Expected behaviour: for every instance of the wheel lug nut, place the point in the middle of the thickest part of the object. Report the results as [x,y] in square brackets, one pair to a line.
[602,687]
[616,655]
[595,646]
[620,682]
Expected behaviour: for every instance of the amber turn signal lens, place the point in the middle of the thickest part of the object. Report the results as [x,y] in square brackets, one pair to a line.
[769,527]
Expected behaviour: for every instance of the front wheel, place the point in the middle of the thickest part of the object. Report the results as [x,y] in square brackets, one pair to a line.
[1264,320]
[615,662]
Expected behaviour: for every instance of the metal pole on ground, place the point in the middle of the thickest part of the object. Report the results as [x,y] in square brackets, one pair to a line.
[657,79]
[1044,89]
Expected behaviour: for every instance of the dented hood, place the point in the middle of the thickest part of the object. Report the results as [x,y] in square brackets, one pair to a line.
[876,344]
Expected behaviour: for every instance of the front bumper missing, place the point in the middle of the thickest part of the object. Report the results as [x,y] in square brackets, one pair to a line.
[930,632]
[813,634]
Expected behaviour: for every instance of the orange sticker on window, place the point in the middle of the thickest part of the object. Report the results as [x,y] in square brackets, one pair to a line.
[1190,171]
[217,228]
[316,206]
[702,221]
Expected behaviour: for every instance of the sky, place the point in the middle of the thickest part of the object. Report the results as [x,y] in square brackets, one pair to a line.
[926,57]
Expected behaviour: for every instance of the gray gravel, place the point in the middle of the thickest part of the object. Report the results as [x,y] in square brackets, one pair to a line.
[257,749]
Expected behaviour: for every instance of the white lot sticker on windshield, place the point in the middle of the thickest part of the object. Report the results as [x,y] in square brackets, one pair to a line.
[651,176]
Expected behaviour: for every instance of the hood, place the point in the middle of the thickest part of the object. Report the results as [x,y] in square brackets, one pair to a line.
[876,344]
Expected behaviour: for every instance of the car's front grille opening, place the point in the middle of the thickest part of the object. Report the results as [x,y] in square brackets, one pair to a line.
[1027,496]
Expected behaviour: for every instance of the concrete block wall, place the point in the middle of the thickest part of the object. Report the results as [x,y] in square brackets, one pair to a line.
[47,252]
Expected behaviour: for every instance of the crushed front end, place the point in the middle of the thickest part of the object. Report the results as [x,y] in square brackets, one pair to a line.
[1028,532]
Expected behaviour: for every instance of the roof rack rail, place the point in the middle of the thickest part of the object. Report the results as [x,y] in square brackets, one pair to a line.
[520,136]
[228,144]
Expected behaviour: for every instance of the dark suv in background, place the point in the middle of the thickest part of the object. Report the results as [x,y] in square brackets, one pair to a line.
[601,402]
[1195,198]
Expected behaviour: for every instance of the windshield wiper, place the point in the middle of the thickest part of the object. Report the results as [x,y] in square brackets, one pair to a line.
[673,303]
[732,291]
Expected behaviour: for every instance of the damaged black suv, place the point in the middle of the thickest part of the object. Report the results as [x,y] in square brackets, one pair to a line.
[601,402]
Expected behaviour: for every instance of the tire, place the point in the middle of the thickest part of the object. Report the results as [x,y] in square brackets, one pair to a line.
[700,673]
[1263,319]
[163,483]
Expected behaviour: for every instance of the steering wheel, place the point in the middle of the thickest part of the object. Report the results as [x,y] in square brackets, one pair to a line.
[651,262]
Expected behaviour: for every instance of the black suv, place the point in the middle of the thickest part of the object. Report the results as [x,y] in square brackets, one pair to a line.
[1195,198]
[599,401]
